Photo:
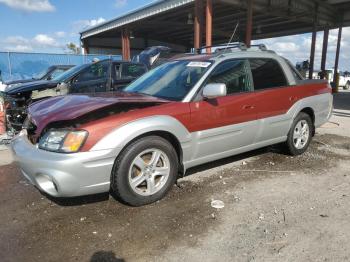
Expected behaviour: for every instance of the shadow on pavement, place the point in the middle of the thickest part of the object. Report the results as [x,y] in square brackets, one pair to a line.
[77,201]
[342,100]
[105,256]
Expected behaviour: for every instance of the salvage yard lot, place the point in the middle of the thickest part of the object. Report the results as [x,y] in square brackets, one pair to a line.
[277,208]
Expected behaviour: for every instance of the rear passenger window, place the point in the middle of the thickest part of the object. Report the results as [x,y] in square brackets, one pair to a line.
[267,73]
[235,74]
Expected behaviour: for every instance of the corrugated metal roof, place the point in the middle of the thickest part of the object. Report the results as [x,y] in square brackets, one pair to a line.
[135,15]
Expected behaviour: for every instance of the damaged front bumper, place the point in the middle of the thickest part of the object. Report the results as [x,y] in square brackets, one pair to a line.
[63,175]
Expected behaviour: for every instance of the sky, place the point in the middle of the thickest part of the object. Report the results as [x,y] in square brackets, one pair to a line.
[48,25]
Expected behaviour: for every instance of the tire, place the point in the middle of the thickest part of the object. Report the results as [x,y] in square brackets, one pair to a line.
[137,178]
[347,86]
[298,141]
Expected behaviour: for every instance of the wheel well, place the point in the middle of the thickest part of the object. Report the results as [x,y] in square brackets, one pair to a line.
[310,112]
[171,139]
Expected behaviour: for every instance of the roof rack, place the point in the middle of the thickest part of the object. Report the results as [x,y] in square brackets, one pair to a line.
[223,48]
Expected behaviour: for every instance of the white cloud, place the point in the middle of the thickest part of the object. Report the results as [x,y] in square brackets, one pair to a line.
[297,48]
[30,5]
[120,3]
[84,24]
[60,34]
[44,40]
[22,44]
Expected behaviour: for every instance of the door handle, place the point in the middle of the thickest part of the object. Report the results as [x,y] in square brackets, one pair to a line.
[248,107]
[293,98]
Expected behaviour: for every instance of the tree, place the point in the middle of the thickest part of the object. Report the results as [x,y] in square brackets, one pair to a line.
[73,48]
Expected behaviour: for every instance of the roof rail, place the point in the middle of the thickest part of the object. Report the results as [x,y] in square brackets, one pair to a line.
[223,48]
[239,45]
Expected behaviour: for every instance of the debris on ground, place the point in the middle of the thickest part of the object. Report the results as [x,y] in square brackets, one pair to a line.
[261,216]
[217,204]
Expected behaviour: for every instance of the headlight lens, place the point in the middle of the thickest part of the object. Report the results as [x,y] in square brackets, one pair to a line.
[63,141]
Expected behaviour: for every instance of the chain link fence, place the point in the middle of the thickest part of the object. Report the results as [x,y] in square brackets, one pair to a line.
[15,66]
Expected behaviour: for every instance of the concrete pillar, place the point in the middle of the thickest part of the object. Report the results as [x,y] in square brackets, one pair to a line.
[209,25]
[324,52]
[249,27]
[198,24]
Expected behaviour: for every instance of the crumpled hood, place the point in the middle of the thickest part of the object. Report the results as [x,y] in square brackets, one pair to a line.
[30,86]
[70,107]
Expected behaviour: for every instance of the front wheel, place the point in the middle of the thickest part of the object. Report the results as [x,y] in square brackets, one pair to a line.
[145,171]
[347,85]
[300,134]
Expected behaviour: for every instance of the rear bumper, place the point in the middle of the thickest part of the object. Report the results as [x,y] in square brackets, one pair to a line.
[63,175]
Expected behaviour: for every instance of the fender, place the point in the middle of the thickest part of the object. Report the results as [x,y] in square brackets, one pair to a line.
[321,105]
[121,136]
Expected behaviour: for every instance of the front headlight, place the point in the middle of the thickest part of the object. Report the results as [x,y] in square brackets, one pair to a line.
[63,141]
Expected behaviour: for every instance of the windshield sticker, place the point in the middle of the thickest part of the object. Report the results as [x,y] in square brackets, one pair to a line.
[199,64]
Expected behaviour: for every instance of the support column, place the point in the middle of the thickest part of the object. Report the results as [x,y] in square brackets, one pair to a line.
[313,43]
[324,52]
[249,28]
[312,53]
[209,25]
[125,45]
[336,63]
[198,24]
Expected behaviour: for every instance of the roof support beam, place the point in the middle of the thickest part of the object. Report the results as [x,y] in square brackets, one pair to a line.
[324,52]
[209,25]
[125,45]
[198,24]
[249,27]
[313,44]
[336,62]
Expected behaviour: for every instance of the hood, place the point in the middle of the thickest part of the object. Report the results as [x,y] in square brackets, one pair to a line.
[70,107]
[30,86]
[20,81]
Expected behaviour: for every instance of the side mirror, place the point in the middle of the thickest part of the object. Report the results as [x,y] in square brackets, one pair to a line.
[214,90]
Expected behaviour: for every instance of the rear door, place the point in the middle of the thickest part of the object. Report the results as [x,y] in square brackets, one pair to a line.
[93,79]
[226,123]
[274,97]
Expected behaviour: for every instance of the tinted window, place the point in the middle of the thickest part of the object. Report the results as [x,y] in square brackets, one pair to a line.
[267,73]
[132,71]
[94,72]
[235,74]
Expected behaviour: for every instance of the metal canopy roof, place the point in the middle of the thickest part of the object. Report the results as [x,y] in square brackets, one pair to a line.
[167,20]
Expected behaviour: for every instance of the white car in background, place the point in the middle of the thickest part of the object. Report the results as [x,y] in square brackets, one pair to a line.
[344,80]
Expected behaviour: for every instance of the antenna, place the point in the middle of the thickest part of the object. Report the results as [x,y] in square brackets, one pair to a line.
[234,32]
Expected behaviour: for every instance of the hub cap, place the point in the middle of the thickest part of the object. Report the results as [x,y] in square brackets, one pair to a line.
[149,172]
[301,134]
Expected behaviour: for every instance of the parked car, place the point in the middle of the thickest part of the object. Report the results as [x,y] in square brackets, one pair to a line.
[48,74]
[154,56]
[101,76]
[181,114]
[344,80]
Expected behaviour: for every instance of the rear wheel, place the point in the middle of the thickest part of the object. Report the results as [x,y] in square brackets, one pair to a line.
[145,171]
[300,134]
[347,85]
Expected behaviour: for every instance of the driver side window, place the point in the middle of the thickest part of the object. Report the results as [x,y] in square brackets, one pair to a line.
[94,72]
[235,74]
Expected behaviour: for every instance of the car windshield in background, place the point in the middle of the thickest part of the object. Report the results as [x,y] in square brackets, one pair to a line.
[171,81]
[69,73]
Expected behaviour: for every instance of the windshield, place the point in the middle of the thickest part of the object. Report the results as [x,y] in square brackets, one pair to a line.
[69,73]
[171,81]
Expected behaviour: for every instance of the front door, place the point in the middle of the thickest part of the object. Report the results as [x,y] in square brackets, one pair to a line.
[226,123]
[94,79]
